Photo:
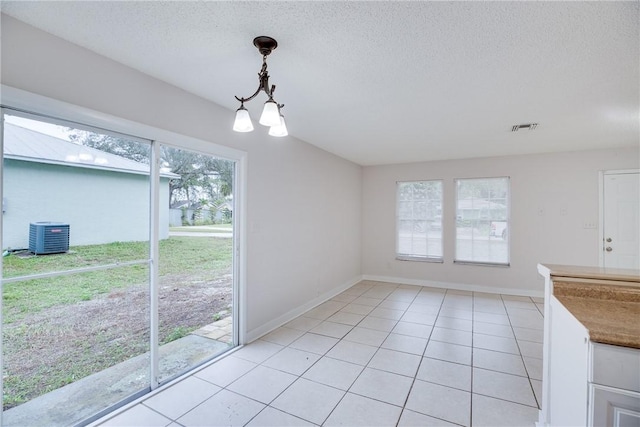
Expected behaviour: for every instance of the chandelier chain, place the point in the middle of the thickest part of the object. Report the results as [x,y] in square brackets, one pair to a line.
[264,64]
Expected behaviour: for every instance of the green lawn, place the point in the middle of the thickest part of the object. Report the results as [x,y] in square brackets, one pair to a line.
[68,350]
[178,255]
[215,228]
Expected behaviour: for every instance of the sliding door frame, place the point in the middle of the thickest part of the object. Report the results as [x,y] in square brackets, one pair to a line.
[58,112]
[154,261]
[2,111]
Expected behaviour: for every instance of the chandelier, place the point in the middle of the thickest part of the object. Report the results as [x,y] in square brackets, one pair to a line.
[271,114]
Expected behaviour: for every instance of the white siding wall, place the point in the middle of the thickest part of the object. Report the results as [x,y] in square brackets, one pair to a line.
[99,206]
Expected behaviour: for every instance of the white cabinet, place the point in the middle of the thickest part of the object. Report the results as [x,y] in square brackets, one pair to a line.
[614,407]
[586,382]
[589,384]
[614,386]
[568,368]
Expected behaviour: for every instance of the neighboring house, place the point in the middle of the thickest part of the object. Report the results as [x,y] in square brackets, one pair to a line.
[103,197]
[183,212]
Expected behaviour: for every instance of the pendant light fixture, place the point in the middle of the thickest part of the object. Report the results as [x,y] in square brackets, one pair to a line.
[243,120]
[280,129]
[271,113]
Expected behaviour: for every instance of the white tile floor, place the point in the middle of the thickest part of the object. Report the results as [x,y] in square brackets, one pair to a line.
[378,354]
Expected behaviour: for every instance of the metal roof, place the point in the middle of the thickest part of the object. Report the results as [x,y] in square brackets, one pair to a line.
[31,146]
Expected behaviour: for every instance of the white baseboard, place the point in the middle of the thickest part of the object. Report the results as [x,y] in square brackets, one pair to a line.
[540,422]
[290,315]
[456,286]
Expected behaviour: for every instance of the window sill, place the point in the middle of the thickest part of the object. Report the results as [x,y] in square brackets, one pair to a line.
[419,259]
[483,264]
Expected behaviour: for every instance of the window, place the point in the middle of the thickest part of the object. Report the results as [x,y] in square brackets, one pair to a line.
[482,221]
[419,221]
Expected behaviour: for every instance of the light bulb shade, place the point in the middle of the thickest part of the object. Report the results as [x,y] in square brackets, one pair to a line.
[279,130]
[271,114]
[243,121]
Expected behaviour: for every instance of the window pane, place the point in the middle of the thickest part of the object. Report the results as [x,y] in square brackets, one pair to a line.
[73,201]
[419,220]
[84,335]
[482,220]
[195,264]
[71,188]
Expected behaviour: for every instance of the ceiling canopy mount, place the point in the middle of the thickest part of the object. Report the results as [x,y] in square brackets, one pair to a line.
[265,44]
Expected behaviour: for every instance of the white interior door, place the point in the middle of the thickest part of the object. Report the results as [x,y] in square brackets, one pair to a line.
[621,222]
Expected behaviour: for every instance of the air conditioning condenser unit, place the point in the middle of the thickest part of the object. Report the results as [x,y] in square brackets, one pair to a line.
[48,237]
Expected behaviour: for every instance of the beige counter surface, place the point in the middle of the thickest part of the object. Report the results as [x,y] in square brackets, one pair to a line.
[611,316]
[605,301]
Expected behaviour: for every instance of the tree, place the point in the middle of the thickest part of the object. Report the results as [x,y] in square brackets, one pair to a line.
[202,177]
[132,150]
[482,188]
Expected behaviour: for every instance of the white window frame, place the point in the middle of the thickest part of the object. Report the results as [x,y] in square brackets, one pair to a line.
[413,256]
[506,241]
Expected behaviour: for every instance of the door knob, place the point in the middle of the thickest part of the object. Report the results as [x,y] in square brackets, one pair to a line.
[608,249]
[609,239]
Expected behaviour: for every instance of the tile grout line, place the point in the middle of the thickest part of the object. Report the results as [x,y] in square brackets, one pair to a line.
[356,379]
[369,361]
[520,351]
[525,364]
[404,406]
[268,405]
[473,302]
[422,357]
[365,366]
[428,340]
[378,348]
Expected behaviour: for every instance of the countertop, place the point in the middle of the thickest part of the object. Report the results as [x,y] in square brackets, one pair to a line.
[605,301]
[598,273]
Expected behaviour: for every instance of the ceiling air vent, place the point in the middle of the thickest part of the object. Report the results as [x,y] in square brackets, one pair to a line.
[528,126]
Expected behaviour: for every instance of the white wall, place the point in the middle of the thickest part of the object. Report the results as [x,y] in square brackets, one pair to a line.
[315,221]
[303,204]
[552,197]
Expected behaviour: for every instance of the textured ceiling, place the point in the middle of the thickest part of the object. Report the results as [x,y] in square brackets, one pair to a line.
[389,82]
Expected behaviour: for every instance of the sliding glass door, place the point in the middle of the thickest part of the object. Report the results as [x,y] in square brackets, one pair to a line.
[195,293]
[117,267]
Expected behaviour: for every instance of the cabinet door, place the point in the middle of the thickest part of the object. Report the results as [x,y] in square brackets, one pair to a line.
[614,408]
[615,366]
